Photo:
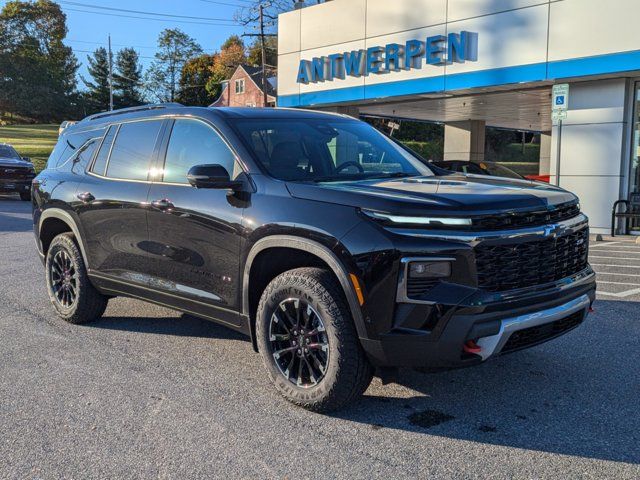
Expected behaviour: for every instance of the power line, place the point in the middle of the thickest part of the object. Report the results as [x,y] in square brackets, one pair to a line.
[140,12]
[228,4]
[148,18]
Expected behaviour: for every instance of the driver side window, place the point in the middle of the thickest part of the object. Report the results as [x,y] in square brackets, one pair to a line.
[193,143]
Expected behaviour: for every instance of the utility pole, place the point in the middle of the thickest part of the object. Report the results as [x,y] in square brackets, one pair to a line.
[264,58]
[110,76]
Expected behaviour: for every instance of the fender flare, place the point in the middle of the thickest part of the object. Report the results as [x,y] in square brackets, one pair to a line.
[66,217]
[320,251]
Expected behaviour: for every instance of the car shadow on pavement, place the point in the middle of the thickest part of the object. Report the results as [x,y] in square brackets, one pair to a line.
[578,395]
[15,215]
[182,326]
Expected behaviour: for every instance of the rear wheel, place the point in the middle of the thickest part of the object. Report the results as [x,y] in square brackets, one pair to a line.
[70,291]
[25,196]
[308,341]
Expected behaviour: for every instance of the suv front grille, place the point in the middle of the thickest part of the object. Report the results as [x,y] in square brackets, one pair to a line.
[527,219]
[534,335]
[16,173]
[508,267]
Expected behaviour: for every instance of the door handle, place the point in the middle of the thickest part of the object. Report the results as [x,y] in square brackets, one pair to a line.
[85,197]
[163,204]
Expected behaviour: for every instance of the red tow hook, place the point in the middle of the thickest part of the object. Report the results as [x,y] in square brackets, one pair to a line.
[592,310]
[472,347]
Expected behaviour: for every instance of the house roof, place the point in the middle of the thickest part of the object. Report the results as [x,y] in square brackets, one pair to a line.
[256,75]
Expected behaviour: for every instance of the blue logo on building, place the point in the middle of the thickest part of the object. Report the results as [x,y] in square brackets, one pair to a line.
[393,57]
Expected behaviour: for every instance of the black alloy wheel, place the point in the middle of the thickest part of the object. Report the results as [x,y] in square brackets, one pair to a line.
[64,279]
[299,342]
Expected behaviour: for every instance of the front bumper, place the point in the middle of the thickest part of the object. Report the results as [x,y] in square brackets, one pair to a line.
[540,315]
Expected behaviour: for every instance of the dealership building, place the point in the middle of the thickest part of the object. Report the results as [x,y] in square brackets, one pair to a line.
[471,64]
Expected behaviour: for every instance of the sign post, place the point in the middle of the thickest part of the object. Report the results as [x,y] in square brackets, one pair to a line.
[559,107]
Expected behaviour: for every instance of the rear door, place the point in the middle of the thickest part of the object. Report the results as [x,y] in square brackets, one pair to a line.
[194,234]
[111,202]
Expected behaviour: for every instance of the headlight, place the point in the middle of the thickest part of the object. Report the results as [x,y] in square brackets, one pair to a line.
[431,221]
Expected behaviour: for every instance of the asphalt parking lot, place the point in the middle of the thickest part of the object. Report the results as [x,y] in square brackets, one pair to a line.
[150,393]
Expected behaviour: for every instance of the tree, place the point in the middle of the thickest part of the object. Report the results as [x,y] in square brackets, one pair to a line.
[127,79]
[174,49]
[248,14]
[254,53]
[98,68]
[196,73]
[232,54]
[38,70]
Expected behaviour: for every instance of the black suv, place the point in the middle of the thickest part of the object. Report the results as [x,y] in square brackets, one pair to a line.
[335,249]
[16,172]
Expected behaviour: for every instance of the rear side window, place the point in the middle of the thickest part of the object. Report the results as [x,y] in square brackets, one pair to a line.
[101,159]
[132,151]
[84,155]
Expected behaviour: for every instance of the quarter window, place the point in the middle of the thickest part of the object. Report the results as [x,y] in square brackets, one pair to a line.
[195,143]
[101,159]
[132,151]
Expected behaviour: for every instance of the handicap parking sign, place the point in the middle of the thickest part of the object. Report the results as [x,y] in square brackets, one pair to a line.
[560,97]
[560,100]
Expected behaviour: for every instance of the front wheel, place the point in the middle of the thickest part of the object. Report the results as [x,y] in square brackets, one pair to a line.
[308,341]
[70,291]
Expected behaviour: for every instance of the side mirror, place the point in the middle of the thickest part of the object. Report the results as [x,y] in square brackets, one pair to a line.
[26,159]
[211,176]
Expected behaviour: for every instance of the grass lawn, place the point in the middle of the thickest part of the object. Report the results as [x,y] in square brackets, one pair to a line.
[33,141]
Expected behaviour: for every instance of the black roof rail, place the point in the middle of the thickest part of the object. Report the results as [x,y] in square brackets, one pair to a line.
[140,108]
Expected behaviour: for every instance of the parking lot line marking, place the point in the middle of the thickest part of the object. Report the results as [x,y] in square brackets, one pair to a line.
[613,248]
[620,283]
[615,258]
[623,274]
[620,266]
[604,244]
[627,293]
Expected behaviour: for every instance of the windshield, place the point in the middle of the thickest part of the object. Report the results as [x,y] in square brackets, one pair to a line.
[326,150]
[8,152]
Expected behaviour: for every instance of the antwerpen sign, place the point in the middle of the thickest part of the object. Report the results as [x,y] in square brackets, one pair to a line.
[393,57]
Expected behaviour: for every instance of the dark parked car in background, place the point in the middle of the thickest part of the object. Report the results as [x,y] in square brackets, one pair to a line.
[16,172]
[335,249]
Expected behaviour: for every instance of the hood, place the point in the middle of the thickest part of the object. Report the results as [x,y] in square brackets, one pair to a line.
[14,162]
[453,194]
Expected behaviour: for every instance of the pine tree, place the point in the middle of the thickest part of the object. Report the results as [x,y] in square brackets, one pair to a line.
[98,95]
[174,49]
[127,79]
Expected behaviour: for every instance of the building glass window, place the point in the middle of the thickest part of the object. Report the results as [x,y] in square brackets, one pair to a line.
[635,154]
[240,85]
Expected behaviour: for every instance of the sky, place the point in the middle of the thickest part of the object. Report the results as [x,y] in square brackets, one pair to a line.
[88,31]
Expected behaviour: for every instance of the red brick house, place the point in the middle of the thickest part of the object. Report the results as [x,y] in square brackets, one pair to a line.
[244,89]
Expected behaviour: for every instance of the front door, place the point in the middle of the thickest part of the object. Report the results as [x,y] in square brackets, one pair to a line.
[194,234]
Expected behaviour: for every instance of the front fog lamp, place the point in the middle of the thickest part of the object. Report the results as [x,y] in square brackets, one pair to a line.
[429,269]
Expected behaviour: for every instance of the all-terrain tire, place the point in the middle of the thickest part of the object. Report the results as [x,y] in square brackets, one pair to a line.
[88,304]
[348,372]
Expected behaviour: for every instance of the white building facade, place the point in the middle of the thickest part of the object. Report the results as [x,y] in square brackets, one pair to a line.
[477,63]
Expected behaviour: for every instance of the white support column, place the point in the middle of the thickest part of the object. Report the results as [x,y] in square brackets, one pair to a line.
[464,140]
[545,153]
[593,148]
